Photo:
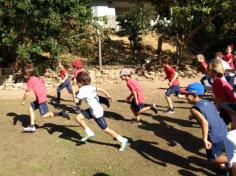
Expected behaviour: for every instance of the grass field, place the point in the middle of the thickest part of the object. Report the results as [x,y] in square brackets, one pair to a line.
[163,145]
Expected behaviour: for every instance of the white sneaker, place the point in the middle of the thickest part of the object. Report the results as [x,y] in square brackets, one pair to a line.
[86,138]
[123,145]
[30,128]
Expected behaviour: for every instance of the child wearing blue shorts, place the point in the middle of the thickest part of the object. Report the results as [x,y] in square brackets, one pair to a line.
[214,130]
[95,111]
[37,85]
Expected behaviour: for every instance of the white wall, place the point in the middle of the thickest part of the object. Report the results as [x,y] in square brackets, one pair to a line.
[100,11]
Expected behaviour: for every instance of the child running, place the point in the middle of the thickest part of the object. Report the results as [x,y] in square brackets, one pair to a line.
[65,83]
[174,88]
[229,58]
[37,85]
[77,68]
[214,130]
[204,65]
[95,111]
[136,97]
[222,90]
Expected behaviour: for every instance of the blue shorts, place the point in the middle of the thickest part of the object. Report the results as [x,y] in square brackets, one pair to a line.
[216,150]
[173,90]
[136,108]
[100,121]
[43,107]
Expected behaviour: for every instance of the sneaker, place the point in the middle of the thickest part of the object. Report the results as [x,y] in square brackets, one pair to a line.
[30,128]
[55,102]
[154,108]
[64,114]
[86,138]
[169,111]
[134,121]
[123,145]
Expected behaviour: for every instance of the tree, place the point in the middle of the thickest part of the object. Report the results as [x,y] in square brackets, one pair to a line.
[136,20]
[191,18]
[30,28]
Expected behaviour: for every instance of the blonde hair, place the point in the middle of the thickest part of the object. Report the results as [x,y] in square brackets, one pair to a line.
[200,57]
[217,68]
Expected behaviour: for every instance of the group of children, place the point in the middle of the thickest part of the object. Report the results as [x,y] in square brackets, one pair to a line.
[215,136]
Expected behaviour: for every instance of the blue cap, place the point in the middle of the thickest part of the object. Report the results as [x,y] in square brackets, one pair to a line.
[194,88]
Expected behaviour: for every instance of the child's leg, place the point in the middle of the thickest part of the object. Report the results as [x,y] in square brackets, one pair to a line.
[32,116]
[103,125]
[135,110]
[169,101]
[68,86]
[79,119]
[222,159]
[147,108]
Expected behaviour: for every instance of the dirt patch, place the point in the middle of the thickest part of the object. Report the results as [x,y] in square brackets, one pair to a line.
[163,145]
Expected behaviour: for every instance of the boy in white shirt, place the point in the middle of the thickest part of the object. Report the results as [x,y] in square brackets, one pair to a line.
[95,111]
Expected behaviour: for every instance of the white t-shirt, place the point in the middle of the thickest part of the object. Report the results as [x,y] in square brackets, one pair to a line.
[227,67]
[230,147]
[89,93]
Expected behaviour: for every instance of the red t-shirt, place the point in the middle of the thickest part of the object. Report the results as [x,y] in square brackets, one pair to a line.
[63,73]
[204,66]
[222,89]
[37,85]
[76,72]
[170,72]
[134,86]
[229,58]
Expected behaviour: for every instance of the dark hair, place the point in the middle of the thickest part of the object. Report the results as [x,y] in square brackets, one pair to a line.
[166,60]
[29,70]
[83,77]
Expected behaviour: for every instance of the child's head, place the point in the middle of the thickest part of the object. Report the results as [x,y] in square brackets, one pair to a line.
[219,55]
[216,69]
[165,60]
[200,58]
[83,79]
[28,71]
[229,49]
[77,64]
[193,92]
[62,65]
[125,74]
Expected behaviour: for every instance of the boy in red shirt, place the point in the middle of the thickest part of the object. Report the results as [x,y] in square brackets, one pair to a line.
[229,58]
[65,83]
[37,85]
[174,88]
[204,66]
[136,98]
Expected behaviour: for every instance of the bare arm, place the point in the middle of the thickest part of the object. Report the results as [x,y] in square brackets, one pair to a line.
[130,96]
[135,97]
[174,78]
[26,94]
[218,102]
[204,124]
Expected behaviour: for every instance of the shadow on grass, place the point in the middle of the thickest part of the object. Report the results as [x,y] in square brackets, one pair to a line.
[115,116]
[24,119]
[66,133]
[151,152]
[100,174]
[71,135]
[175,136]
